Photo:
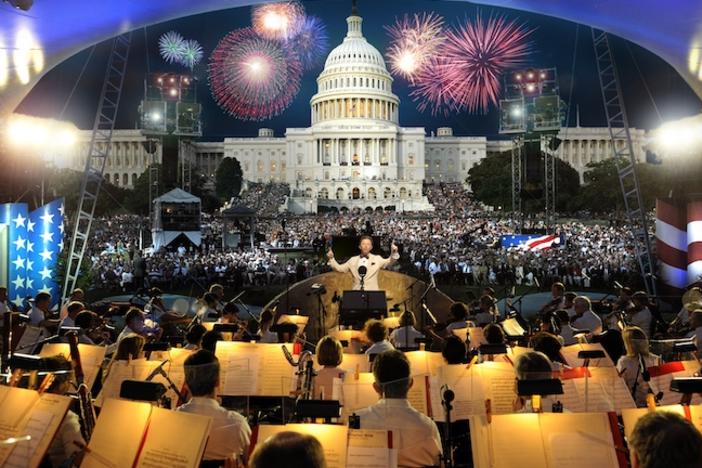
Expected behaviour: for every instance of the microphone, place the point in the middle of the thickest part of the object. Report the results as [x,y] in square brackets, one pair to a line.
[362,270]
[155,372]
[448,395]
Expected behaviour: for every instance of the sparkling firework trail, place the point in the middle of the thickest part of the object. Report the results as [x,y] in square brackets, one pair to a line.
[278,21]
[192,53]
[311,43]
[414,40]
[253,78]
[477,54]
[171,46]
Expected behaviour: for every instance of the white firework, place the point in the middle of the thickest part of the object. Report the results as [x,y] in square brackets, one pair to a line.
[171,45]
[192,53]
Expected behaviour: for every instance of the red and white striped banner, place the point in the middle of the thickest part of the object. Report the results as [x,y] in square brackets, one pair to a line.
[679,242]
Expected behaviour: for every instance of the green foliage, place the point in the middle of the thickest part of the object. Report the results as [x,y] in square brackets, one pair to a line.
[67,183]
[138,200]
[228,179]
[491,182]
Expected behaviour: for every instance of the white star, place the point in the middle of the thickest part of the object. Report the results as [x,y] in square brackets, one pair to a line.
[19,220]
[62,228]
[46,254]
[45,273]
[29,264]
[30,246]
[47,217]
[20,243]
[62,209]
[19,262]
[30,283]
[18,301]
[30,226]
[48,237]
[18,282]
[45,289]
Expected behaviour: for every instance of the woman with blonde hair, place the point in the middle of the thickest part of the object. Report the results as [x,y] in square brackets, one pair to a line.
[630,365]
[329,354]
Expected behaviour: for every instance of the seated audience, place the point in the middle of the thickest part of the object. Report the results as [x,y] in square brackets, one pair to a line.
[664,439]
[230,433]
[405,335]
[377,334]
[329,355]
[629,366]
[289,450]
[415,435]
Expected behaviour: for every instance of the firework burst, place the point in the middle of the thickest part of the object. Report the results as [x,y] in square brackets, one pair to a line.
[251,77]
[171,45]
[192,53]
[278,21]
[414,40]
[477,54]
[311,43]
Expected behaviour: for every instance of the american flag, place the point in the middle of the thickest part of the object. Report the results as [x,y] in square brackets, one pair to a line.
[15,250]
[47,236]
[30,244]
[530,241]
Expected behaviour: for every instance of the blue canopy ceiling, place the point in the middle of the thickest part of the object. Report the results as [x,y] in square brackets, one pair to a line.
[32,43]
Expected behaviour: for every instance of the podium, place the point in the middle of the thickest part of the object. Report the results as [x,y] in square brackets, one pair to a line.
[359,306]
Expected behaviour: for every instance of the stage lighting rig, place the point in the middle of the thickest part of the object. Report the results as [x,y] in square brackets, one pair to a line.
[170,106]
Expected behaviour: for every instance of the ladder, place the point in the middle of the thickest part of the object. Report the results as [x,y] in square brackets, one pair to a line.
[99,151]
[624,156]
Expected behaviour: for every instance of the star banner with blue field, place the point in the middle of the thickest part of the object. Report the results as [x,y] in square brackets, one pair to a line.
[533,242]
[14,218]
[47,236]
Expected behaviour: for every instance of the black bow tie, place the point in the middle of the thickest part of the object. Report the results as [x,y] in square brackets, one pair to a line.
[364,256]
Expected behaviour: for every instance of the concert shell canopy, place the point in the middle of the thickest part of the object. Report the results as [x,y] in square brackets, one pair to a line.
[52,31]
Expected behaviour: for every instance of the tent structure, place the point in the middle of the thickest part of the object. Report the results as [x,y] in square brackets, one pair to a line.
[176,213]
[33,42]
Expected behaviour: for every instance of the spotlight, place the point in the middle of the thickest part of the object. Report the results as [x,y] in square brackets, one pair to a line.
[156,117]
[530,75]
[531,87]
[518,77]
[516,112]
[542,75]
[67,138]
[173,92]
[172,80]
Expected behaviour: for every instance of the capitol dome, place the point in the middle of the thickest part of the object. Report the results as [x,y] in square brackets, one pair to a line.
[355,83]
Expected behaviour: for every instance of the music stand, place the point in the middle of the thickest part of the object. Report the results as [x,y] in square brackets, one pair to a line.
[359,306]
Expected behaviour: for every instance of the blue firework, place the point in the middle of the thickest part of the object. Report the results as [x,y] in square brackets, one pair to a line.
[171,45]
[311,42]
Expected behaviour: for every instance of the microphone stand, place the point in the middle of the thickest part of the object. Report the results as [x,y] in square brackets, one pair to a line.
[447,397]
[171,385]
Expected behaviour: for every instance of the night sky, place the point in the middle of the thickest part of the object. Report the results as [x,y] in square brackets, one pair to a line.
[553,44]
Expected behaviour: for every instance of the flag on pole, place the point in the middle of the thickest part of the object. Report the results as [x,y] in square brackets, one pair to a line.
[17,246]
[47,237]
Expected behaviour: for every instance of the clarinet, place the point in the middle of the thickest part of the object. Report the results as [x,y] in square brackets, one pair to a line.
[85,399]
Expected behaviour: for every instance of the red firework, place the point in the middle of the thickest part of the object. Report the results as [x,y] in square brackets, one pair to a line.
[278,21]
[473,59]
[251,77]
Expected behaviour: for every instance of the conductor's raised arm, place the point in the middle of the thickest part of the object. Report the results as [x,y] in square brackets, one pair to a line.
[343,268]
[394,257]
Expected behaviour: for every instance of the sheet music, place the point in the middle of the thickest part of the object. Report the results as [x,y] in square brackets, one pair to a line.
[357,394]
[424,362]
[136,369]
[276,376]
[29,339]
[661,383]
[606,392]
[578,450]
[240,375]
[570,354]
[516,440]
[460,379]
[497,382]
[351,362]
[369,449]
[23,452]
[417,395]
[91,357]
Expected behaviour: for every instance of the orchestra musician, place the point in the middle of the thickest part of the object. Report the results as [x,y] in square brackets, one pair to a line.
[218,291]
[533,365]
[377,334]
[638,314]
[414,434]
[405,335]
[585,318]
[39,314]
[373,264]
[73,309]
[557,299]
[289,450]
[230,434]
[77,295]
[629,366]
[330,354]
[488,311]
[66,446]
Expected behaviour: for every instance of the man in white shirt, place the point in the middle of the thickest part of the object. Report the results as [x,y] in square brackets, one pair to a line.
[73,309]
[76,296]
[38,316]
[377,334]
[230,434]
[585,318]
[414,434]
[640,315]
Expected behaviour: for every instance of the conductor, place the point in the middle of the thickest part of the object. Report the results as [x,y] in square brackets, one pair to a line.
[364,267]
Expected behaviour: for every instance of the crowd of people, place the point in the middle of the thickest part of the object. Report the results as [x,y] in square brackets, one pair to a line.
[457,243]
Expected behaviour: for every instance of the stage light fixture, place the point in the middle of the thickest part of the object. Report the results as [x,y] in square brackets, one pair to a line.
[518,77]
[530,75]
[531,87]
[156,117]
[516,111]
[173,92]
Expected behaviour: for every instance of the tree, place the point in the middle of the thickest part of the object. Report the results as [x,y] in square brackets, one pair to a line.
[491,182]
[602,191]
[138,200]
[228,179]
[67,183]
